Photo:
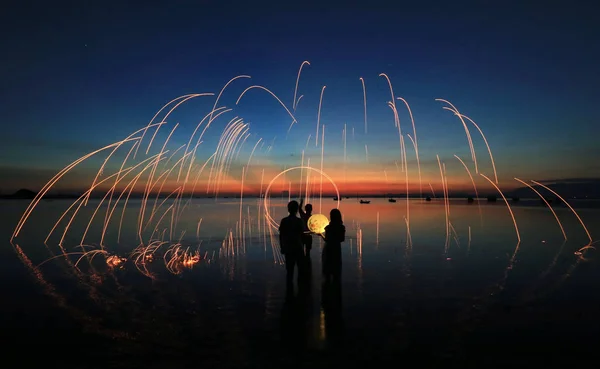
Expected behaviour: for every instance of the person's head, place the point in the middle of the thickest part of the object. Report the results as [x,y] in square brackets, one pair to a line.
[293,207]
[308,208]
[335,216]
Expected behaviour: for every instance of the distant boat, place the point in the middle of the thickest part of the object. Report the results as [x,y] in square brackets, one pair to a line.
[391,200]
[428,198]
[347,197]
[365,201]
[337,199]
[470,200]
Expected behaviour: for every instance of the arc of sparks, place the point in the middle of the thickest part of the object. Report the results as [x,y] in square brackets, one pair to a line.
[272,94]
[547,204]
[169,113]
[467,132]
[570,207]
[221,93]
[319,116]
[268,216]
[362,80]
[487,145]
[55,179]
[446,205]
[415,143]
[473,183]
[295,102]
[512,215]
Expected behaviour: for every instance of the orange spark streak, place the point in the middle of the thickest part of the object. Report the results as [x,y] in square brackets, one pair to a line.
[391,89]
[406,182]
[397,124]
[364,101]
[272,94]
[270,219]
[467,132]
[487,145]
[55,179]
[547,204]
[251,154]
[415,143]
[149,184]
[298,101]
[77,201]
[155,157]
[194,133]
[222,90]
[319,116]
[173,109]
[473,183]
[432,191]
[445,205]
[507,205]
[150,124]
[295,102]
[230,125]
[570,207]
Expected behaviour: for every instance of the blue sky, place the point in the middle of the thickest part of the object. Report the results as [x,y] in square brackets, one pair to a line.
[79,77]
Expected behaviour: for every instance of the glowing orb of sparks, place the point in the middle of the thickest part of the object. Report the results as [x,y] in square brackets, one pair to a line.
[317,223]
[114,261]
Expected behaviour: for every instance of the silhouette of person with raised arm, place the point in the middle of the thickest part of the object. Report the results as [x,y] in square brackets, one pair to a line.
[305,215]
[335,234]
[291,230]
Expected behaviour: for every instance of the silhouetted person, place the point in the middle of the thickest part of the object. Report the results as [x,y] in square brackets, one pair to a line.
[291,230]
[335,234]
[305,216]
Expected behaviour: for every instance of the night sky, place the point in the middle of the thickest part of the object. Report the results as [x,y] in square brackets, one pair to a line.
[78,77]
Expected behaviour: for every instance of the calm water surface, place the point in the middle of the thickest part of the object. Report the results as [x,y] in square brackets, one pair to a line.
[477,303]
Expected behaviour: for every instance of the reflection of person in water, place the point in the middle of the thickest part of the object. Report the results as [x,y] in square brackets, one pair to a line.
[335,234]
[305,216]
[297,312]
[331,302]
[291,230]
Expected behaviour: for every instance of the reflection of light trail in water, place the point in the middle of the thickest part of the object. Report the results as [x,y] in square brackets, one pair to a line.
[512,215]
[574,212]
[547,204]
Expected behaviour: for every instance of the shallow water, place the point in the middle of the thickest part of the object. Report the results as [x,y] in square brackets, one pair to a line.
[476,301]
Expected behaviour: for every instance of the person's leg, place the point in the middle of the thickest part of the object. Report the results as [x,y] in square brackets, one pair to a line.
[290,261]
